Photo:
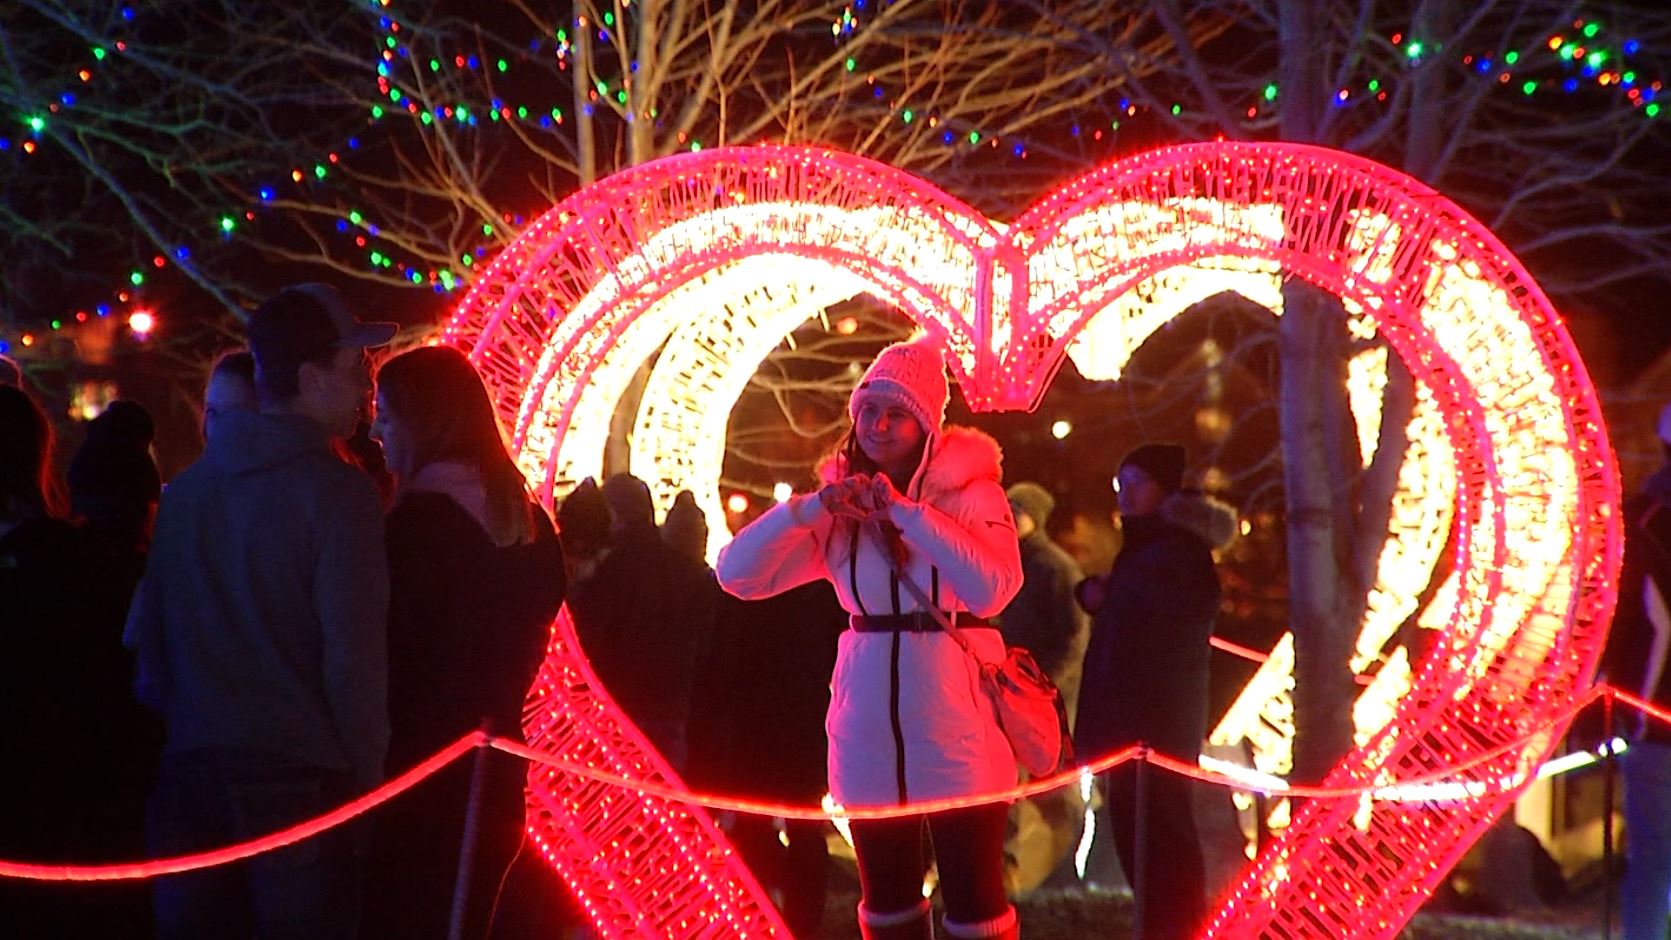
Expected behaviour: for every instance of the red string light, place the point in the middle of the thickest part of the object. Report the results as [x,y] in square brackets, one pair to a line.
[131,871]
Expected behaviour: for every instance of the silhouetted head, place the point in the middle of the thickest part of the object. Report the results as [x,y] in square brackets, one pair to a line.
[26,490]
[433,408]
[231,388]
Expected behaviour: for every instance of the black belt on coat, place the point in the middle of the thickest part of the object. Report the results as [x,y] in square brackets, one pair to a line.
[917,621]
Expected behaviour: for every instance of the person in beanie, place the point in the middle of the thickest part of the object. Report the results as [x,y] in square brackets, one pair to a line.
[1638,660]
[114,485]
[260,637]
[685,528]
[1145,682]
[1044,618]
[907,719]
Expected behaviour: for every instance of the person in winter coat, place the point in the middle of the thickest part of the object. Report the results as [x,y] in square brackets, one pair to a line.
[476,578]
[908,720]
[1045,618]
[77,748]
[1145,681]
[259,630]
[644,619]
[1639,662]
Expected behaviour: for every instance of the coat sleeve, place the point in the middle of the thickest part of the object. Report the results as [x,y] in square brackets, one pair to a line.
[782,549]
[351,597]
[975,550]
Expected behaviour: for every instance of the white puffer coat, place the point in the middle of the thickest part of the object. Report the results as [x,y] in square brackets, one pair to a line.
[908,720]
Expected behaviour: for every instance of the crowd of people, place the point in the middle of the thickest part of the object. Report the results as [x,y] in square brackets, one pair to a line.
[294,620]
[353,575]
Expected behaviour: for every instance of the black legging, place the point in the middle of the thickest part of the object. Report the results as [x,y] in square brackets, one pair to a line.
[968,845]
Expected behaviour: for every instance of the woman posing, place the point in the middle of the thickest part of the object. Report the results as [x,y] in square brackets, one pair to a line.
[475,580]
[908,720]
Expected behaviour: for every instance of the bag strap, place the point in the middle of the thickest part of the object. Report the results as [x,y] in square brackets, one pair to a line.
[868,524]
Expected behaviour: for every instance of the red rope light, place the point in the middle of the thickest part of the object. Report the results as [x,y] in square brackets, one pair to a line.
[131,871]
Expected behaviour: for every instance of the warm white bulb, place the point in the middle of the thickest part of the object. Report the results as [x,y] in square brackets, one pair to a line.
[782,491]
[1061,429]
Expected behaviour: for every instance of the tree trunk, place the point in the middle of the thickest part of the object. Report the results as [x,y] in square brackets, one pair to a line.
[585,134]
[1322,586]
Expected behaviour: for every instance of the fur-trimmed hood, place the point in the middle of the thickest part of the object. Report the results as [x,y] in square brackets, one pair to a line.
[1217,523]
[952,459]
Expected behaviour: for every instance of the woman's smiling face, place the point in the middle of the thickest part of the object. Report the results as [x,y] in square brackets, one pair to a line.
[888,434]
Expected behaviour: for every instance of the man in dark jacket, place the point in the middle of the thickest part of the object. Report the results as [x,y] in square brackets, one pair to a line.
[644,619]
[1639,662]
[1145,683]
[259,631]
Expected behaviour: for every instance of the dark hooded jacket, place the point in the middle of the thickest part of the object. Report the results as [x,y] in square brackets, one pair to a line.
[1146,664]
[261,619]
[1044,618]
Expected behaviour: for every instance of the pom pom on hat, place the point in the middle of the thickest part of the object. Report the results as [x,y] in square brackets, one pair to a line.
[911,374]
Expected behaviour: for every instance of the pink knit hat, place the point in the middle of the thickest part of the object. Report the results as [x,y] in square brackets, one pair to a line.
[912,375]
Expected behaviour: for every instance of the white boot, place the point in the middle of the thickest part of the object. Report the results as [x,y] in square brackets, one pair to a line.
[912,924]
[1005,926]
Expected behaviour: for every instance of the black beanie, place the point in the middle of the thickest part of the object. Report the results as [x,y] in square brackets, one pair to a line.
[1164,464]
[114,462]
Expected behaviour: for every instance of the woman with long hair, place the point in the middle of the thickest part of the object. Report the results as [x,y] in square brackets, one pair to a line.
[27,488]
[78,749]
[476,578]
[906,498]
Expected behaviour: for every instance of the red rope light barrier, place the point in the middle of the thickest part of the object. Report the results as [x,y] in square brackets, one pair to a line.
[787,811]
[1643,705]
[131,871]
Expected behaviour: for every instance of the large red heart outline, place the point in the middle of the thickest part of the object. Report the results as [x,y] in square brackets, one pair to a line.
[713,257]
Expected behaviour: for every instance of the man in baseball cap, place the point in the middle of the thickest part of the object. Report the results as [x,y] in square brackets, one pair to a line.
[259,634]
[309,356]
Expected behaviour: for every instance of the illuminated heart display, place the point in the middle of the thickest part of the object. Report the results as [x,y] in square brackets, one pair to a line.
[712,258]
